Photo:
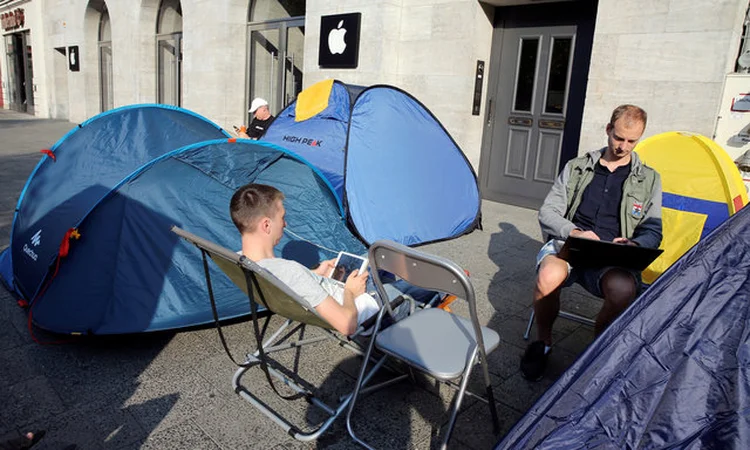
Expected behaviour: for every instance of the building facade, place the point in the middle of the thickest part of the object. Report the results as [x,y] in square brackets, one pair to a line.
[521,85]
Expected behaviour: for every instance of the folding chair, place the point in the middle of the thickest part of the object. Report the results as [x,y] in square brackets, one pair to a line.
[438,343]
[266,290]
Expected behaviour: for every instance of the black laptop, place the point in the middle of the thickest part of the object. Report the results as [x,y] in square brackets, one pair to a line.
[581,252]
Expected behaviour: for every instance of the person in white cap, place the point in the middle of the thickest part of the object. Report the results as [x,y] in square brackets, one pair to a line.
[262,119]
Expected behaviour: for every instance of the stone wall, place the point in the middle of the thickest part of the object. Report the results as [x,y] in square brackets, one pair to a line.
[668,56]
[429,48]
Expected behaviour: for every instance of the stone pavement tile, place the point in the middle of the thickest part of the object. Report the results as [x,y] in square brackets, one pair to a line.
[165,399]
[511,330]
[9,336]
[235,424]
[520,394]
[89,429]
[27,401]
[577,341]
[92,381]
[504,361]
[576,300]
[186,435]
[474,426]
[510,294]
[15,367]
[406,415]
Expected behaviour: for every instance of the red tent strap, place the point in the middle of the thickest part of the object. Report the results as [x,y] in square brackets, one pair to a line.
[62,253]
[49,153]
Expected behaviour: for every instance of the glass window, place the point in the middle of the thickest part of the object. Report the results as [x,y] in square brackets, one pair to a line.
[170,17]
[557,78]
[526,76]
[169,53]
[264,10]
[105,62]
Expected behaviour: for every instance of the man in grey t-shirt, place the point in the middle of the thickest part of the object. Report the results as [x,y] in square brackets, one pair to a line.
[257,211]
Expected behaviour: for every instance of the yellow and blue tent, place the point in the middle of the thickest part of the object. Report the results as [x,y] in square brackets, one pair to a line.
[702,188]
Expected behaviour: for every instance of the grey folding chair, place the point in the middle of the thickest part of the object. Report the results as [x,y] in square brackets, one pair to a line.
[438,343]
[266,290]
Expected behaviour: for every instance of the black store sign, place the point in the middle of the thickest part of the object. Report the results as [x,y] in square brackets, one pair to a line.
[339,41]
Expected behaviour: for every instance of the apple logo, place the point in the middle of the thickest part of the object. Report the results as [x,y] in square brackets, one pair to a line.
[336,44]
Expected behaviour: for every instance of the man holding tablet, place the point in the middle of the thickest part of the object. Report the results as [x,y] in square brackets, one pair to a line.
[607,194]
[257,211]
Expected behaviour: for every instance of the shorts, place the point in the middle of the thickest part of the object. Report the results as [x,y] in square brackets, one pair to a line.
[589,278]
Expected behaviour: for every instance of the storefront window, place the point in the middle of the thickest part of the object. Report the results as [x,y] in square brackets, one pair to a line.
[105,62]
[276,34]
[169,53]
[20,71]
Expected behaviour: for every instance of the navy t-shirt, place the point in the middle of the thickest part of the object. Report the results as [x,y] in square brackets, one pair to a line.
[599,210]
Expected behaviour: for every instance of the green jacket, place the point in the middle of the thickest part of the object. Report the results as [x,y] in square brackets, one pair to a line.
[640,207]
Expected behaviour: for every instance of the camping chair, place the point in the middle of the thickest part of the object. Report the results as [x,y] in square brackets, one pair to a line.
[434,341]
[266,290]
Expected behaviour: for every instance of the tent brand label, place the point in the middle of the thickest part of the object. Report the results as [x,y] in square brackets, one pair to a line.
[36,239]
[303,140]
[29,252]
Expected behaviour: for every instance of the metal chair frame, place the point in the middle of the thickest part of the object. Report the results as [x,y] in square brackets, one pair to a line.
[463,341]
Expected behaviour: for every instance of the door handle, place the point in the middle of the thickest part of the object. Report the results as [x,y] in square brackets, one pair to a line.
[489,111]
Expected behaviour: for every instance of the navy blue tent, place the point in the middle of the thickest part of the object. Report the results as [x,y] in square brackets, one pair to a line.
[672,372]
[398,172]
[128,272]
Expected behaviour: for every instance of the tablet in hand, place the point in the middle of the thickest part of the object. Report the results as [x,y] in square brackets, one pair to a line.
[345,264]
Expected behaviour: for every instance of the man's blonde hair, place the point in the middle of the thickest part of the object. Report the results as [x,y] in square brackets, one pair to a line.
[629,113]
[252,202]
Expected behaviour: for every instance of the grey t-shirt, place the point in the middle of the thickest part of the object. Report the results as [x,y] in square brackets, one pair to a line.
[304,282]
[315,288]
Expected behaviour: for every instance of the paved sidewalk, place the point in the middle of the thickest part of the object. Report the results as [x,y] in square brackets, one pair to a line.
[172,390]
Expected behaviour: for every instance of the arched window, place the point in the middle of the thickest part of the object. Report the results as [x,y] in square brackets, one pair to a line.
[105,61]
[276,39]
[169,53]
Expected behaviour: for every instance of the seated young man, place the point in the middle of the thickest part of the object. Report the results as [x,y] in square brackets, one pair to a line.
[607,194]
[258,212]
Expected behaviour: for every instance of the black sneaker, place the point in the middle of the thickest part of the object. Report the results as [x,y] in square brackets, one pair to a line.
[534,361]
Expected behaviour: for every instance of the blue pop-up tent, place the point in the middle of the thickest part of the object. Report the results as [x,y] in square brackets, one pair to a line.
[672,372]
[114,183]
[397,171]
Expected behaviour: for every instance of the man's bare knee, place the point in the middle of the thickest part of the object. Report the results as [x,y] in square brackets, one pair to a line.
[619,288]
[552,274]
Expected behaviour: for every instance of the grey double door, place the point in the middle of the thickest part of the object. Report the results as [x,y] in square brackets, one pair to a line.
[530,113]
[535,103]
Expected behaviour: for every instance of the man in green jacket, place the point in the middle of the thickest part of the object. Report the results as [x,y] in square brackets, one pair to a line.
[607,194]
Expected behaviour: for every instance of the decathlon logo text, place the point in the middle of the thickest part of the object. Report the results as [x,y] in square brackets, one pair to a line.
[302,140]
[36,239]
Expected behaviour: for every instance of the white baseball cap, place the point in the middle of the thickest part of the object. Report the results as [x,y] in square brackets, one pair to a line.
[257,103]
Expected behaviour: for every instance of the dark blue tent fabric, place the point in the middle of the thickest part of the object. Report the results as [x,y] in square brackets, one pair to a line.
[129,273]
[672,372]
[394,166]
[89,162]
[321,139]
[406,179]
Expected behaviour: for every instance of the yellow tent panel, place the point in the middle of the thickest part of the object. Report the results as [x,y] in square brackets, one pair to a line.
[702,188]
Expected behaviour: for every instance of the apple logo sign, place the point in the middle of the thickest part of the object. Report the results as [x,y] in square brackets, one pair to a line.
[336,43]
